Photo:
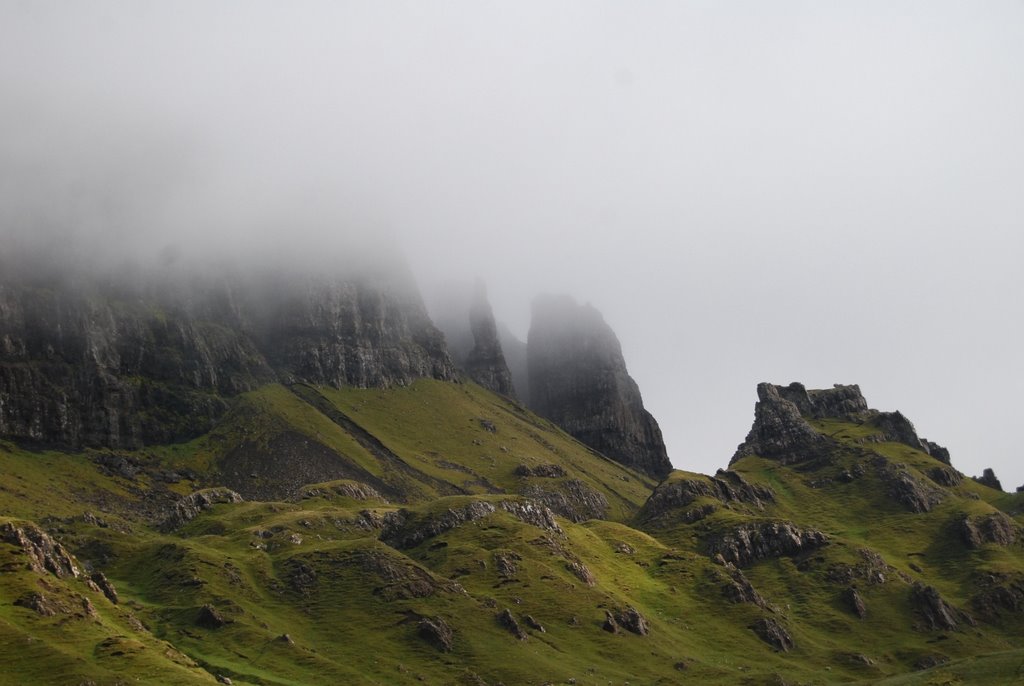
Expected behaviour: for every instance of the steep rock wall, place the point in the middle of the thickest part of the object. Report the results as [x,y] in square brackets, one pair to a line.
[578,380]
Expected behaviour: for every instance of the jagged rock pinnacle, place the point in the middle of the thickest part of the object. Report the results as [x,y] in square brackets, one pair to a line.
[578,380]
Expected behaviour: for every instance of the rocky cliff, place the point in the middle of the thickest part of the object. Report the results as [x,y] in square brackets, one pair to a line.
[464,314]
[113,361]
[578,380]
[781,430]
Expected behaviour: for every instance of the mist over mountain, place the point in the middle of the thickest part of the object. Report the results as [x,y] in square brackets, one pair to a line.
[787,192]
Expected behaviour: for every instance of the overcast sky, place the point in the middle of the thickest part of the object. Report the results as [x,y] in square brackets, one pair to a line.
[748,191]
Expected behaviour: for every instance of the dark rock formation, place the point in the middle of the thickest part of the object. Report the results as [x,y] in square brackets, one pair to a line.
[838,402]
[485,362]
[906,489]
[873,569]
[436,632]
[994,528]
[581,572]
[210,618]
[945,476]
[508,621]
[529,621]
[999,593]
[103,584]
[988,478]
[578,380]
[43,554]
[773,633]
[936,613]
[852,599]
[631,620]
[120,363]
[749,543]
[780,432]
[736,587]
[464,314]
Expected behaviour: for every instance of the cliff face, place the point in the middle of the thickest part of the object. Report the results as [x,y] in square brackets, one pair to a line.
[465,316]
[578,380]
[98,362]
[485,363]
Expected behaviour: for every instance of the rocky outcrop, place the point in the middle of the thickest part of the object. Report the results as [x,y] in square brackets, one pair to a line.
[578,380]
[571,498]
[42,554]
[625,618]
[121,363]
[749,543]
[999,594]
[936,613]
[507,620]
[773,633]
[780,431]
[726,487]
[403,530]
[905,488]
[344,489]
[436,632]
[988,478]
[994,528]
[853,600]
[192,505]
[838,402]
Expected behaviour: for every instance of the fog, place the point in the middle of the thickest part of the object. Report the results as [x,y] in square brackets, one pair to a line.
[748,191]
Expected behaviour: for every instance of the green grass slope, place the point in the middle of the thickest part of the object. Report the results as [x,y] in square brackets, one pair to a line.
[404,536]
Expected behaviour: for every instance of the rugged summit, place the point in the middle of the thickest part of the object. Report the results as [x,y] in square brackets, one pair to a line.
[782,431]
[115,361]
[578,380]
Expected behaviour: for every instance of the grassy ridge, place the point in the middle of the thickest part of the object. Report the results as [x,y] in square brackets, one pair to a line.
[305,591]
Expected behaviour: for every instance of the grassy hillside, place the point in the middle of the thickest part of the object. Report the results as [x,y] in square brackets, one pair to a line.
[413,535]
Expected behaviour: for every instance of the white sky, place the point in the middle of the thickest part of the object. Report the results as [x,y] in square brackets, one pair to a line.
[749,191]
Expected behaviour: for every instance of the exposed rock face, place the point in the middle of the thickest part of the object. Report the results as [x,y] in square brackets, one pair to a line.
[773,633]
[189,507]
[402,531]
[936,613]
[726,487]
[571,498]
[485,362]
[840,402]
[42,552]
[507,620]
[994,528]
[780,432]
[436,632]
[578,380]
[853,600]
[911,492]
[120,363]
[999,594]
[988,478]
[747,544]
[464,314]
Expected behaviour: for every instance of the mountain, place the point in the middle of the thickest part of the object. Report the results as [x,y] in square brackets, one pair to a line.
[301,489]
[578,379]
